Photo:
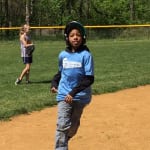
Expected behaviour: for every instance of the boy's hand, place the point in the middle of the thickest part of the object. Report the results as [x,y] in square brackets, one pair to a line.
[68,99]
[53,90]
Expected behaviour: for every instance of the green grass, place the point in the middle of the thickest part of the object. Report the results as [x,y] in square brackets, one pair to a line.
[118,65]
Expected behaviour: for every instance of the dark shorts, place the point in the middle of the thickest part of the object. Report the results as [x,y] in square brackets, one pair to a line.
[27,60]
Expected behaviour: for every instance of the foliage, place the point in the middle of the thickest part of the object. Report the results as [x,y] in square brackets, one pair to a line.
[89,12]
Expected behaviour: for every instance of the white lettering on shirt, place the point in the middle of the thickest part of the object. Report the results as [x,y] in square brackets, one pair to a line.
[71,64]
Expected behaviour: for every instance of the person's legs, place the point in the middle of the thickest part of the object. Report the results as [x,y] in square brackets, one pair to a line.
[63,124]
[75,118]
[28,66]
[68,123]
[26,72]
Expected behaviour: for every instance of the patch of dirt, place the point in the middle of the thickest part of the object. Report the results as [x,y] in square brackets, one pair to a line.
[115,121]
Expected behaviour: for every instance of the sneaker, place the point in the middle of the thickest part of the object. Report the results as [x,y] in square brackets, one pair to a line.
[28,82]
[18,81]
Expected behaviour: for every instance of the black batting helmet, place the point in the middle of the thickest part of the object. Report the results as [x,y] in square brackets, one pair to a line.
[75,25]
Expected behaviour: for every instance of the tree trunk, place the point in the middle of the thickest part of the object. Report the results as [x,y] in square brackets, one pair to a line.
[131,10]
[6,22]
[27,12]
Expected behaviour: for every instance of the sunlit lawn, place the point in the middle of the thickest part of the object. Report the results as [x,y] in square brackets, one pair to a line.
[118,65]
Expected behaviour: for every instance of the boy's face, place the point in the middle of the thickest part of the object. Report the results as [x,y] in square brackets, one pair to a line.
[75,38]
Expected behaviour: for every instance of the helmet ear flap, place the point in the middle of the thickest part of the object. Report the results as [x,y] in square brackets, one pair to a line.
[66,37]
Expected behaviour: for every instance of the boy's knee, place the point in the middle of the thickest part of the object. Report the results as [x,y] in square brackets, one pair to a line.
[62,127]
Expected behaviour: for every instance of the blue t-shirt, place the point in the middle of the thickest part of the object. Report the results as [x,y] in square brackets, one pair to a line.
[73,67]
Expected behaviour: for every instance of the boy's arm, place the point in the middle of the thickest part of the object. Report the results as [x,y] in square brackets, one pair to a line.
[85,82]
[55,80]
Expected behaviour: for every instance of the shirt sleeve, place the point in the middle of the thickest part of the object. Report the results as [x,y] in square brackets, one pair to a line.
[88,64]
[86,82]
[88,78]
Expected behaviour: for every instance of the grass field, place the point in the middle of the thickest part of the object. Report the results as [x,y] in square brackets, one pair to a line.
[118,65]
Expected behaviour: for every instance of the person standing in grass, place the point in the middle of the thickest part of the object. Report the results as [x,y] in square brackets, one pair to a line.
[72,83]
[25,41]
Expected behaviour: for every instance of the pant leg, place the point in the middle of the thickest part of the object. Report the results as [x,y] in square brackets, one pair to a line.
[77,111]
[63,125]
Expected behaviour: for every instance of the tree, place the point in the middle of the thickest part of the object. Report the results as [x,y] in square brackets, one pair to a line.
[59,12]
[131,10]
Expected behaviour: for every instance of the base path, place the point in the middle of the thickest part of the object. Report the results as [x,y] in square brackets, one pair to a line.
[114,121]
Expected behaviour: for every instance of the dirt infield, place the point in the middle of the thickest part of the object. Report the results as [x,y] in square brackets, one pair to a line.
[115,121]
